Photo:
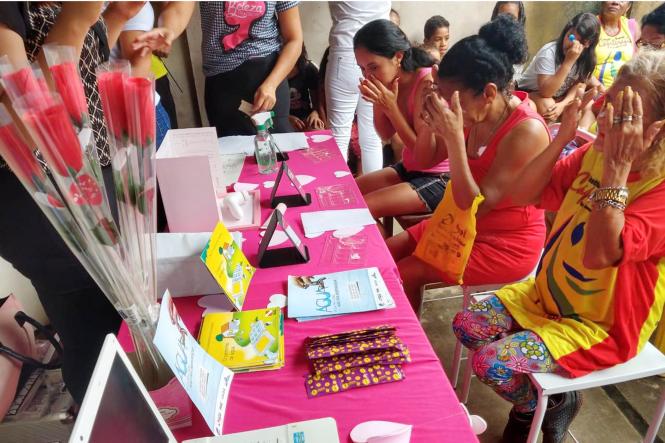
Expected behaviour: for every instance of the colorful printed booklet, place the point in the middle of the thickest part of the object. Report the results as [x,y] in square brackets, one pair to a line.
[245,341]
[228,265]
[205,380]
[345,292]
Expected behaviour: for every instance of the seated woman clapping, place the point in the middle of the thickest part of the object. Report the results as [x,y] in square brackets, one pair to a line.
[489,135]
[597,296]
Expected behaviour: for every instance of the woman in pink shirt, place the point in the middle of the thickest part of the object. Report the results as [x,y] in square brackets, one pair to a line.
[395,77]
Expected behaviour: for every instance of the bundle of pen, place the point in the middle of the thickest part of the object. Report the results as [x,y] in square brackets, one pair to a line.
[354,359]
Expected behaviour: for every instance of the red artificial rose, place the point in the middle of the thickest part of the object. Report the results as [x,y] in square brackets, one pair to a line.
[59,142]
[111,93]
[22,82]
[68,83]
[54,202]
[140,102]
[19,156]
[85,190]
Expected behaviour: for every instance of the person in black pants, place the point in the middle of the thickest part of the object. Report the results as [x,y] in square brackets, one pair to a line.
[77,309]
[247,55]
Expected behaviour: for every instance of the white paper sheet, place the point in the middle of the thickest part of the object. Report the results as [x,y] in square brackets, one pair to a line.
[225,169]
[244,144]
[190,141]
[333,220]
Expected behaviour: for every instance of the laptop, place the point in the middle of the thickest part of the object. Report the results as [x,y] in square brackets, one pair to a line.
[118,408]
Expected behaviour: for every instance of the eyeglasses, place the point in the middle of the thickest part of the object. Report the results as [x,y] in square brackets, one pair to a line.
[644,44]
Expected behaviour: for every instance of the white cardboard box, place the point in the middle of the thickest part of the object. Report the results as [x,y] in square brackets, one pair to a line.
[193,176]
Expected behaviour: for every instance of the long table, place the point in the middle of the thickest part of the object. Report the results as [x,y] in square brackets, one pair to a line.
[424,399]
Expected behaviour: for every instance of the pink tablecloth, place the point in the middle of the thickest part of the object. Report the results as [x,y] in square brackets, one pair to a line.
[424,399]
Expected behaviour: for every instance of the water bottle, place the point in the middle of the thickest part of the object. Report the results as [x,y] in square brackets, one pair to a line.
[273,143]
[264,153]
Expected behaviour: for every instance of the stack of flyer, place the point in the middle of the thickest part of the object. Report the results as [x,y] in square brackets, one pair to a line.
[354,359]
[327,295]
[245,341]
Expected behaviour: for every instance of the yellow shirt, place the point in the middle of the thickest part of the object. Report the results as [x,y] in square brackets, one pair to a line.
[613,52]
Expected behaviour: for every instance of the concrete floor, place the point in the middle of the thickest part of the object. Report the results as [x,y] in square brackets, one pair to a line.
[617,414]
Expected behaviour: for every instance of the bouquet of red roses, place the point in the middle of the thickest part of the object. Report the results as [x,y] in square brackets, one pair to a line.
[70,189]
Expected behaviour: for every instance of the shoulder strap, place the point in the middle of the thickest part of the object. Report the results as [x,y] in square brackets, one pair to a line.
[632,28]
[411,103]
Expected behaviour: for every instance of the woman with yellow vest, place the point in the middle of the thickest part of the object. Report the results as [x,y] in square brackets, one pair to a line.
[616,44]
[598,295]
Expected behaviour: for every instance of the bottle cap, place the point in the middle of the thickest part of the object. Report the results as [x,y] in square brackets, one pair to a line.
[261,118]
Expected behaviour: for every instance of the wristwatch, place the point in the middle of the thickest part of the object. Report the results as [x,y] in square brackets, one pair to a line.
[619,195]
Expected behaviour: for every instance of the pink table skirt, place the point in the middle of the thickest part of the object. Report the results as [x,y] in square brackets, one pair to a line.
[424,399]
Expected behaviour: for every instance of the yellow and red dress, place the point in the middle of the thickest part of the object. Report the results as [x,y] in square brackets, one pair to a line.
[592,319]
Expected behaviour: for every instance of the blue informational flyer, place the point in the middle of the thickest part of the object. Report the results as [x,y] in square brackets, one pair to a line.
[345,292]
[206,381]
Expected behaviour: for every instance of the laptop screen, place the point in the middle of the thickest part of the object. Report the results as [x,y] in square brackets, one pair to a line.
[123,414]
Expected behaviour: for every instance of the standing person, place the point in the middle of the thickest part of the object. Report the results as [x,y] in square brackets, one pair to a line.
[616,44]
[437,34]
[552,76]
[141,63]
[489,135]
[144,62]
[248,48]
[343,99]
[172,21]
[395,76]
[76,307]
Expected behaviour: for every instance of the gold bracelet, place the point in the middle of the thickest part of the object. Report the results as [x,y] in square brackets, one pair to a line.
[618,194]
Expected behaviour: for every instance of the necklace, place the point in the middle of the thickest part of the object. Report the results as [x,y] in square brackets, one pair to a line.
[480,147]
[611,30]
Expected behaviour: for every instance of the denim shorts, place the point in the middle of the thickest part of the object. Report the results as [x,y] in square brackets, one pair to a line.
[429,187]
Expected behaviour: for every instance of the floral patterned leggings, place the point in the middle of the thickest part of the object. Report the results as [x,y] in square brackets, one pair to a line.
[503,353]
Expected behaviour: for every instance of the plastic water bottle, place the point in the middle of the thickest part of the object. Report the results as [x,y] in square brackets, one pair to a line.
[263,151]
[273,143]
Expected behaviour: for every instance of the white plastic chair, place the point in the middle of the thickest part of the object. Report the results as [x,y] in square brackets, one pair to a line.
[647,363]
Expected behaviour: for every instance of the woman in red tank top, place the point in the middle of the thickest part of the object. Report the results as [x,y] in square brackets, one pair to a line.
[488,135]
